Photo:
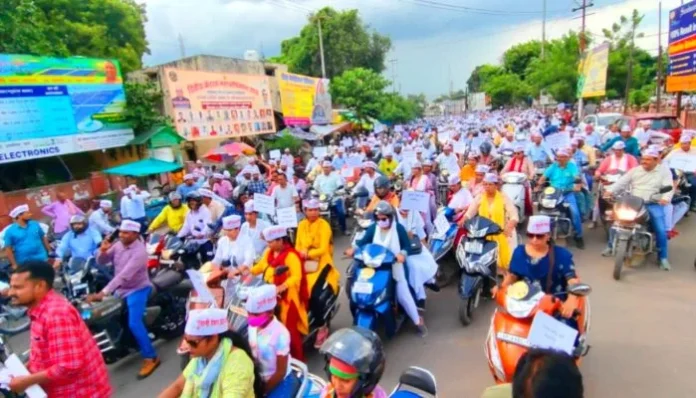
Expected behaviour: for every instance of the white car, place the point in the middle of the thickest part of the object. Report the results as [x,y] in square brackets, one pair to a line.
[601,123]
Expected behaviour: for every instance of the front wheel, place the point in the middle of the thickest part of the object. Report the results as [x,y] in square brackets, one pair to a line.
[467,307]
[620,259]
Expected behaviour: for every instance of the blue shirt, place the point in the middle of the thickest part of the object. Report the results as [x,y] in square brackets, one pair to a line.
[562,178]
[184,189]
[338,162]
[536,270]
[81,246]
[26,242]
[539,153]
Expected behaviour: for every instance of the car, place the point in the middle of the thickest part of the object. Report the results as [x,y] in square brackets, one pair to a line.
[662,122]
[600,121]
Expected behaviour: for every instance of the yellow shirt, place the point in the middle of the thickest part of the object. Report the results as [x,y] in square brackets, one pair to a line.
[386,167]
[236,378]
[174,218]
[315,238]
[591,155]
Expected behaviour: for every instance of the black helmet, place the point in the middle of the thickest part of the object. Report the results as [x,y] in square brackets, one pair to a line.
[486,148]
[361,349]
[385,209]
[195,196]
[382,182]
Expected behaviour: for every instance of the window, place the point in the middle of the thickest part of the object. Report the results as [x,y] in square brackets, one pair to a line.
[607,120]
[665,123]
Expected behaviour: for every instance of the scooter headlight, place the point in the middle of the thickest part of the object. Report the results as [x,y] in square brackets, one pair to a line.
[373,262]
[323,206]
[382,296]
[522,308]
[478,233]
[549,203]
[626,214]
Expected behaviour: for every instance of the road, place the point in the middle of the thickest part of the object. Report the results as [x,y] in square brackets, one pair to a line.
[641,334]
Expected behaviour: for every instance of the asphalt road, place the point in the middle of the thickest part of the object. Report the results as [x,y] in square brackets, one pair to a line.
[641,334]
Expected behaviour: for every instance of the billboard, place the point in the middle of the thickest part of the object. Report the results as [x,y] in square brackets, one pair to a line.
[306,100]
[56,106]
[479,102]
[682,49]
[592,81]
[206,105]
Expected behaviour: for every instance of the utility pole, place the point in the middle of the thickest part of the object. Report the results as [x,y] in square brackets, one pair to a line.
[393,62]
[321,49]
[182,48]
[543,30]
[583,44]
[659,56]
[629,77]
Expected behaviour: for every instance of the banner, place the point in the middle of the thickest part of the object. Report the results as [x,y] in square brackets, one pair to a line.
[592,81]
[681,72]
[306,100]
[479,102]
[55,106]
[207,105]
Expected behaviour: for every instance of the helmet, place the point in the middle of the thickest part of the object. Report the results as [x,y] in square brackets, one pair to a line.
[195,196]
[174,196]
[382,182]
[486,148]
[384,208]
[360,349]
[78,219]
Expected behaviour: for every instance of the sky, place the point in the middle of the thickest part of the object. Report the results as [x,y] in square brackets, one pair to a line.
[435,46]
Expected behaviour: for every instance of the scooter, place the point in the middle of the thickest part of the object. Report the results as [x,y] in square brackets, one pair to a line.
[442,187]
[306,385]
[552,203]
[633,238]
[440,243]
[518,304]
[154,246]
[515,187]
[414,381]
[478,260]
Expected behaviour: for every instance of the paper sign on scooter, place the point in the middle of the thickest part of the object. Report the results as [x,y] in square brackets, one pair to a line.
[415,201]
[287,217]
[547,332]
[441,224]
[201,288]
[16,368]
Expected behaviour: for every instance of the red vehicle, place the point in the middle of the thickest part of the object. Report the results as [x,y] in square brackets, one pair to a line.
[662,122]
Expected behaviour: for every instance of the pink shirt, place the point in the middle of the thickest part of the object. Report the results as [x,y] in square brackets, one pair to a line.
[223,188]
[61,212]
[606,167]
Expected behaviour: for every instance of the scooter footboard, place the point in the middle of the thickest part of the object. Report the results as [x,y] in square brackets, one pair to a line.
[366,319]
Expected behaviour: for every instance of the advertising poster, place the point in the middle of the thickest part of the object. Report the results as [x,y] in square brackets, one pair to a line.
[681,74]
[207,105]
[592,81]
[56,106]
[306,100]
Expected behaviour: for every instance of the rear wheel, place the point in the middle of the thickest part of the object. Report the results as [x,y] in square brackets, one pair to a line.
[620,259]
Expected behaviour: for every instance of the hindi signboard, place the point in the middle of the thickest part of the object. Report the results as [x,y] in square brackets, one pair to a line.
[55,106]
[207,105]
[306,100]
[681,72]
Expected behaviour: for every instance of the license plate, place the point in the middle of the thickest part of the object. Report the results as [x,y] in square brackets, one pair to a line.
[473,246]
[363,287]
[167,262]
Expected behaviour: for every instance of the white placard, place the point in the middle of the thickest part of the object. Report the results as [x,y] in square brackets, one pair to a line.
[443,137]
[319,151]
[346,142]
[683,161]
[441,224]
[459,147]
[264,204]
[558,140]
[200,286]
[408,156]
[547,332]
[347,172]
[476,143]
[287,217]
[274,154]
[354,161]
[415,200]
[399,128]
[15,368]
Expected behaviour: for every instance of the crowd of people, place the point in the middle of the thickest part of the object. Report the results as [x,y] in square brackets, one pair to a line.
[467,155]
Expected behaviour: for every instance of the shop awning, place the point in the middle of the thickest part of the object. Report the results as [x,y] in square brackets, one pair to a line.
[323,131]
[158,137]
[143,168]
[299,133]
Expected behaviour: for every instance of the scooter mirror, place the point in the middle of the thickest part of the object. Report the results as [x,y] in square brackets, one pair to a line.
[580,289]
[665,189]
[281,270]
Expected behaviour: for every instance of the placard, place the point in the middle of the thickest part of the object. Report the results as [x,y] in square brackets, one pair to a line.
[354,161]
[547,332]
[683,161]
[347,142]
[558,140]
[441,224]
[287,217]
[264,204]
[274,154]
[443,137]
[398,128]
[319,151]
[201,288]
[459,147]
[415,200]
[408,156]
[347,172]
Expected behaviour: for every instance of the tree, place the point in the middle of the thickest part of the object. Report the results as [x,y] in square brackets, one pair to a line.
[348,43]
[397,109]
[420,103]
[557,73]
[518,57]
[481,75]
[89,28]
[143,101]
[506,89]
[361,90]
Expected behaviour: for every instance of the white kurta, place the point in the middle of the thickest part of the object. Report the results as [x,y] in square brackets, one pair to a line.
[238,252]
[254,234]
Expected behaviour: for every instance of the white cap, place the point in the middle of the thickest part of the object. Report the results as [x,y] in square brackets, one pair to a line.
[231,222]
[473,155]
[129,225]
[226,174]
[17,211]
[206,322]
[247,170]
[206,193]
[539,225]
[563,152]
[249,206]
[454,180]
[275,232]
[261,299]
[625,128]
[326,163]
[427,162]
[619,145]
[685,138]
[416,165]
[518,148]
[482,168]
[491,177]
[311,204]
[218,176]
[105,204]
[369,164]
[652,152]
[188,176]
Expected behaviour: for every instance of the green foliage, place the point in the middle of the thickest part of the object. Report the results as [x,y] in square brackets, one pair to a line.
[420,103]
[143,101]
[285,141]
[360,90]
[348,43]
[481,75]
[62,28]
[557,73]
[506,89]
[518,57]
[397,109]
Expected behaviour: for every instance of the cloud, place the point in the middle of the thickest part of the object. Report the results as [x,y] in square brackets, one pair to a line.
[432,46]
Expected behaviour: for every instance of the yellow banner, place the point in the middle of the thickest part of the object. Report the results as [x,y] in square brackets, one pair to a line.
[306,100]
[593,72]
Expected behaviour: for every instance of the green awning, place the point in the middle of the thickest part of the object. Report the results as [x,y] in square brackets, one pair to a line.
[143,168]
[158,137]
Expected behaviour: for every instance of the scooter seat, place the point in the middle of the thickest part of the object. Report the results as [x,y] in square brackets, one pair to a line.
[294,384]
[420,379]
[405,394]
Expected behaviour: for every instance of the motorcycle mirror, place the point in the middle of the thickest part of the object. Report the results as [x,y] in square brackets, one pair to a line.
[580,289]
[665,189]
[281,270]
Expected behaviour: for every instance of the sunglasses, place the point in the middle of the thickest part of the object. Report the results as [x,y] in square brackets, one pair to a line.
[193,343]
[536,236]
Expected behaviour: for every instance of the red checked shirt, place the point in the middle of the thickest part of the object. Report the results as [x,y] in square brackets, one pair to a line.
[62,345]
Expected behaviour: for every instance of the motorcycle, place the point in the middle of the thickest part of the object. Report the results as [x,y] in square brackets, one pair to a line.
[327,204]
[552,203]
[515,187]
[604,207]
[478,261]
[505,155]
[539,170]
[415,378]
[79,277]
[633,238]
[518,304]
[184,252]
[155,244]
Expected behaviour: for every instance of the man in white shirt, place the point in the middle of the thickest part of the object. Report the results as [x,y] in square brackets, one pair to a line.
[461,197]
[133,206]
[196,226]
[253,227]
[447,160]
[216,208]
[367,180]
[287,158]
[234,248]
[328,183]
[99,219]
[284,194]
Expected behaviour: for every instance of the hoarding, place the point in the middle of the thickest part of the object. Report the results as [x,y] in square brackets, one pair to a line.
[206,105]
[306,100]
[479,102]
[56,106]
[682,49]
[592,81]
